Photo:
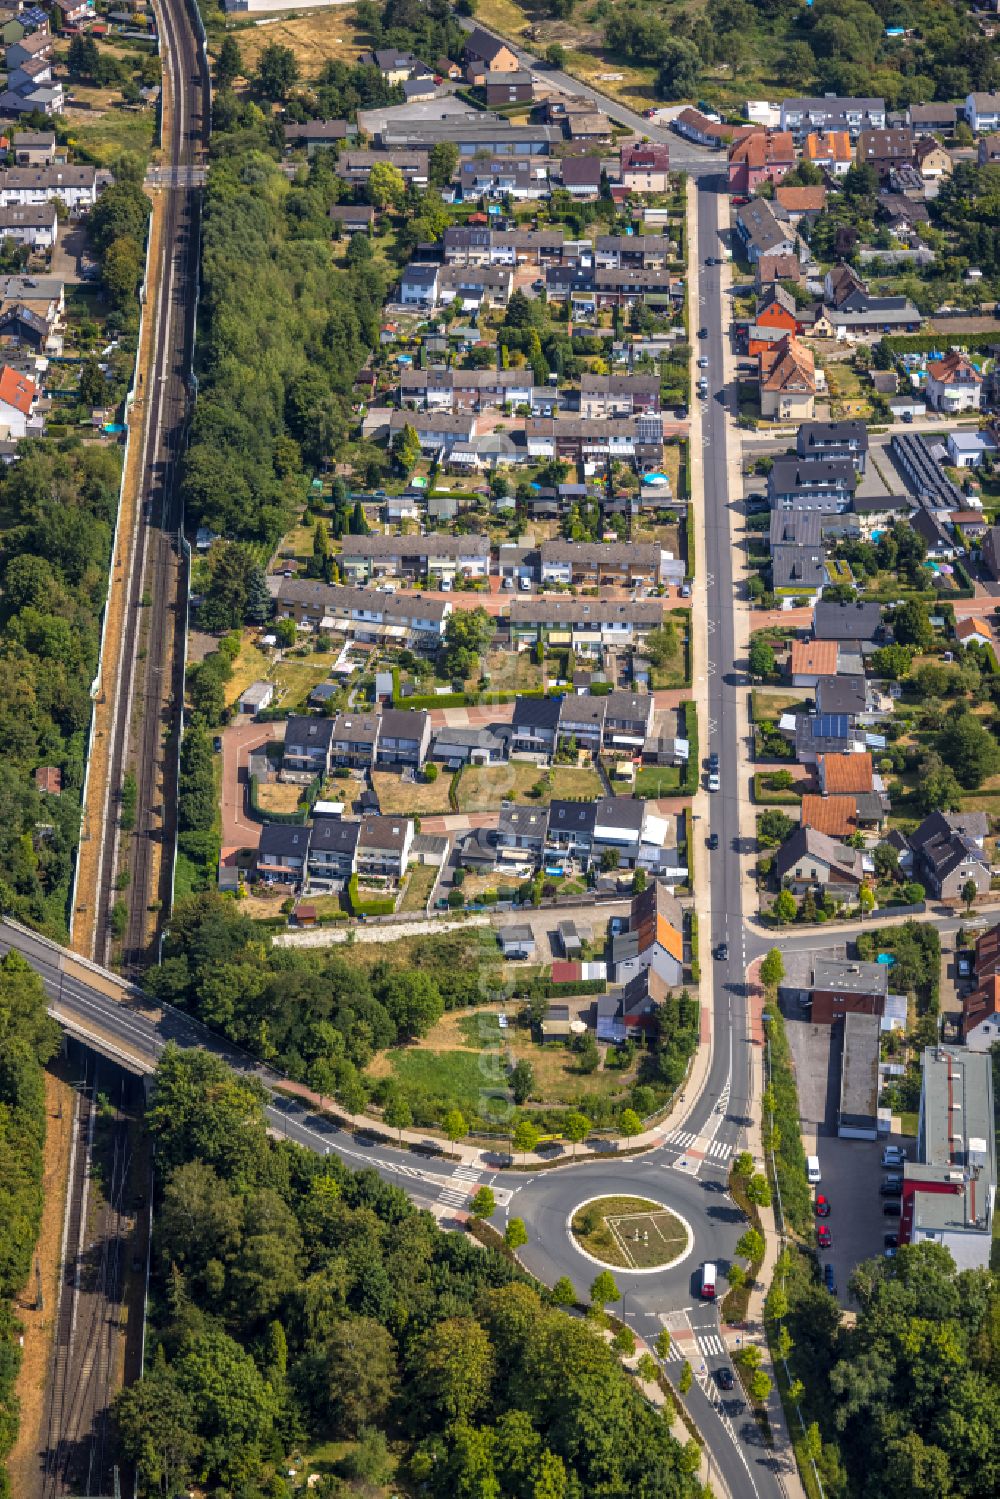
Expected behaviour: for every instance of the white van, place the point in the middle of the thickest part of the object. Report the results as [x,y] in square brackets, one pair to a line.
[812,1170]
[708,1282]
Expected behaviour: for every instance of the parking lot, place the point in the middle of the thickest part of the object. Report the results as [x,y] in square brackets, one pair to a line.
[851,1169]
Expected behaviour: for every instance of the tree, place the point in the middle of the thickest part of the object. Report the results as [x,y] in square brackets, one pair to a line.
[685,1378]
[750,1245]
[406,445]
[93,386]
[563,1292]
[970,750]
[588,1057]
[414,1001]
[285,633]
[784,907]
[646,1368]
[360,1369]
[515,1234]
[773,827]
[737,1277]
[679,71]
[451,1369]
[743,1165]
[234,1405]
[386,185]
[121,269]
[886,861]
[555,55]
[759,1386]
[772,969]
[467,635]
[662,1345]
[638,882]
[228,63]
[629,1123]
[455,1126]
[484,1203]
[277,72]
[603,1290]
[911,625]
[758,1190]
[522,1080]
[624,1341]
[156,1424]
[969,892]
[866,899]
[576,1128]
[442,164]
[525,1137]
[762,660]
[397,1114]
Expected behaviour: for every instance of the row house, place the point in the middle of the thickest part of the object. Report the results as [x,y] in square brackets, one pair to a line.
[404,737]
[34,226]
[800,116]
[595,442]
[364,614]
[439,389]
[282,853]
[76,186]
[618,395]
[356,166]
[34,148]
[437,431]
[521,833]
[763,156]
[581,624]
[602,564]
[475,286]
[469,245]
[434,555]
[625,286]
[649,252]
[332,850]
[495,137]
[523,181]
[395,737]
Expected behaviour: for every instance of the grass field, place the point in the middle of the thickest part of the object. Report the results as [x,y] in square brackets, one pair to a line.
[630,1232]
[316,37]
[771,704]
[251,665]
[483,787]
[397,797]
[274,796]
[294,677]
[658,780]
[117,131]
[419,884]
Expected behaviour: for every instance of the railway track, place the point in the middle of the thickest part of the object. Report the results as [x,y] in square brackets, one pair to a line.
[77,1457]
[148,692]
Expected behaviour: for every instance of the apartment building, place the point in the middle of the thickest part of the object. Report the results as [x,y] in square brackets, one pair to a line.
[800,116]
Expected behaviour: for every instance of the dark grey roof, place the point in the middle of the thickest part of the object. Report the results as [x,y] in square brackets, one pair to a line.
[579,707]
[841,695]
[846,621]
[308,733]
[404,723]
[574,817]
[536,712]
[631,705]
[334,835]
[383,832]
[873,504]
[796,527]
[524,822]
[283,840]
[797,566]
[358,728]
[623,811]
[815,436]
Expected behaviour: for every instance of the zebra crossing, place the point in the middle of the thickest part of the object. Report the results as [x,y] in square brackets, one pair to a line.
[692,1343]
[457,1196]
[712,1152]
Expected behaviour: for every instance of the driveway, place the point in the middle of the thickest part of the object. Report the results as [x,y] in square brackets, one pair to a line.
[238,829]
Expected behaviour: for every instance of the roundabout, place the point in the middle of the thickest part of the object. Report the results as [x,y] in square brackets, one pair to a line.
[637,1234]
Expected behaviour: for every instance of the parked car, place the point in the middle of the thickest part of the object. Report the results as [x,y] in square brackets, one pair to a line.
[703,362]
[891,1186]
[713,761]
[722,952]
[893,1155]
[892,1208]
[714,781]
[702,332]
[713,841]
[829,1279]
[724,1377]
[824,1237]
[890,1241]
[822,1206]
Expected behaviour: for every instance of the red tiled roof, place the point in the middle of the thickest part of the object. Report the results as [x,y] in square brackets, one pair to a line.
[981,1004]
[846,773]
[814,657]
[836,816]
[16,390]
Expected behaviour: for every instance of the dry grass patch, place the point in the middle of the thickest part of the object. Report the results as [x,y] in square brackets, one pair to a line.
[399,798]
[317,37]
[419,884]
[251,665]
[279,796]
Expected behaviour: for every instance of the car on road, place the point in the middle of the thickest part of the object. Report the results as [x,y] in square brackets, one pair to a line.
[709,259]
[713,761]
[714,781]
[892,1209]
[713,841]
[822,1205]
[722,952]
[702,332]
[893,1155]
[891,1186]
[724,1378]
[703,363]
[829,1279]
[824,1237]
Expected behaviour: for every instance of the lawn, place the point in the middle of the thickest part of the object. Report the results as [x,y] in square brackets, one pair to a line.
[419,884]
[631,1232]
[658,780]
[251,665]
[275,796]
[397,797]
[771,704]
[294,677]
[511,671]
[483,787]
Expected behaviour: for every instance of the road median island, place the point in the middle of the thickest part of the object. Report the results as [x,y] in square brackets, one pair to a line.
[630,1233]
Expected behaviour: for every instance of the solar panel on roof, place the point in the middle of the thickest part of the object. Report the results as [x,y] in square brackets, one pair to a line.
[831,726]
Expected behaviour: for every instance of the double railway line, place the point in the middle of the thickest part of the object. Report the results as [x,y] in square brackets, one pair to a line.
[149,676]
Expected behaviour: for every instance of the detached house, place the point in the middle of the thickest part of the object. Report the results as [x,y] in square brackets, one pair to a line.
[809,859]
[982,112]
[487,54]
[762,233]
[954,384]
[645,167]
[831,151]
[950,850]
[788,381]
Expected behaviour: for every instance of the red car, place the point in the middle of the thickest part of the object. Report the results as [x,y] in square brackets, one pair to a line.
[822,1206]
[824,1237]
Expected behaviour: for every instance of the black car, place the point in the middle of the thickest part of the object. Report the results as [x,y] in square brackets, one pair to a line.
[713,840]
[217,744]
[724,1378]
[892,1209]
[890,1241]
[713,762]
[702,332]
[722,952]
[891,1186]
